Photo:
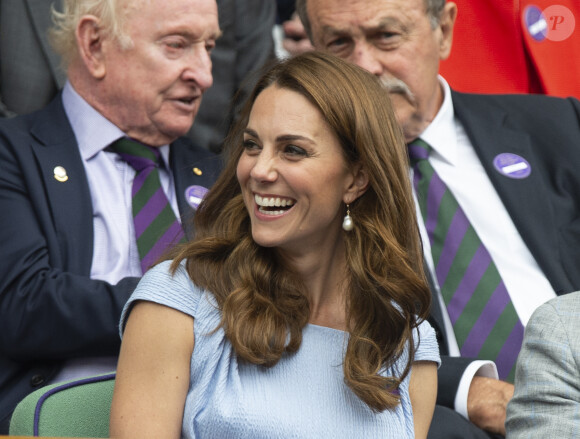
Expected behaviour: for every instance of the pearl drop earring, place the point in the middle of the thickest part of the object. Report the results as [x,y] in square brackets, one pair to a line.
[347,223]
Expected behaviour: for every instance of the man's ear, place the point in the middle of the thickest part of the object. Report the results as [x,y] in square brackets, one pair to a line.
[89,35]
[358,185]
[446,24]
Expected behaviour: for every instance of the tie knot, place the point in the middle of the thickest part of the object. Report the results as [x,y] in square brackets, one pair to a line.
[137,155]
[418,150]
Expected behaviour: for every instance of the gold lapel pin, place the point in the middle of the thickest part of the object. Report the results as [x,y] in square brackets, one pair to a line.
[197,171]
[60,174]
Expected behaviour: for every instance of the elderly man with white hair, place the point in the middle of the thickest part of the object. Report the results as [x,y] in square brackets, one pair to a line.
[99,184]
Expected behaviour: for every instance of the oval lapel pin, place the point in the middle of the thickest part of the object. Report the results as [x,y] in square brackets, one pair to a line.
[512,165]
[194,195]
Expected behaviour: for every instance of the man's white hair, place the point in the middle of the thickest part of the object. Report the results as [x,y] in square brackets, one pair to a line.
[110,13]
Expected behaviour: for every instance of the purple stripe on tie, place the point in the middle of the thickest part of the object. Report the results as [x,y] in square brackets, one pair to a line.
[509,351]
[457,230]
[417,152]
[434,196]
[171,236]
[486,321]
[473,274]
[137,162]
[150,211]
[140,178]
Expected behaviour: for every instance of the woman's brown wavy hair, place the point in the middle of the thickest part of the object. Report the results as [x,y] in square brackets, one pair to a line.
[262,301]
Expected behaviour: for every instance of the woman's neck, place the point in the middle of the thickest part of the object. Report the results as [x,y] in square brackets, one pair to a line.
[325,279]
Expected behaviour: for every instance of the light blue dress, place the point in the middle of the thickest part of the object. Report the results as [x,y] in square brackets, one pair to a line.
[303,396]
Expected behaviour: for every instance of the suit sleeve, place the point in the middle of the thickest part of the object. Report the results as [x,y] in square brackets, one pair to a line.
[545,402]
[448,378]
[4,111]
[49,307]
[254,41]
[254,35]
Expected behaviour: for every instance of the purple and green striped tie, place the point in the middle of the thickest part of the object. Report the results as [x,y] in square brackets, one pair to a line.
[484,319]
[156,227]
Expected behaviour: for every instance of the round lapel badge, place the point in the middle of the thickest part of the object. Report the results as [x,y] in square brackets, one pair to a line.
[535,22]
[194,195]
[60,174]
[512,165]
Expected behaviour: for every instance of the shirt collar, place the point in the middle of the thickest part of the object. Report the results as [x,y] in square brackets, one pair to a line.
[93,131]
[440,133]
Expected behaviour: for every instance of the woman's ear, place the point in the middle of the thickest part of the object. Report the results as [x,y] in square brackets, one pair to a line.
[358,185]
[89,35]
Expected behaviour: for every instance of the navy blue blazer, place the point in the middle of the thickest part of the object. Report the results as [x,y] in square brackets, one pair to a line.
[50,310]
[545,206]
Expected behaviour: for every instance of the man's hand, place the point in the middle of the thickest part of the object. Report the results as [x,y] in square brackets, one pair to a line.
[487,402]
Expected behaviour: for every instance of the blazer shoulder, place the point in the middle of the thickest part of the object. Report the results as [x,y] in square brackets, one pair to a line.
[49,123]
[567,307]
[529,103]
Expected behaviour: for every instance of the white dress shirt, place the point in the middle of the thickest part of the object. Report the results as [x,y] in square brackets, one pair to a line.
[456,162]
[110,178]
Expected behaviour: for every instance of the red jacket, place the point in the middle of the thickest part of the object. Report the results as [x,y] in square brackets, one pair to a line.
[518,46]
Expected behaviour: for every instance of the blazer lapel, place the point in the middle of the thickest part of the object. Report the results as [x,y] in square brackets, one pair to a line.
[191,166]
[65,182]
[487,129]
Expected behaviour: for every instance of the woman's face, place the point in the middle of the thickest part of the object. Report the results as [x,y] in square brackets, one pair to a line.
[293,175]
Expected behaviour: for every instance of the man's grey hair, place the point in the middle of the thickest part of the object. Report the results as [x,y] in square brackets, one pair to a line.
[433,8]
[111,20]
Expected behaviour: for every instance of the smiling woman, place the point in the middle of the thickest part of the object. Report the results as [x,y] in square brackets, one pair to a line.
[292,157]
[301,328]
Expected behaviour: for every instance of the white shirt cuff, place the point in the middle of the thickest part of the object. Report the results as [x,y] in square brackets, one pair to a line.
[477,368]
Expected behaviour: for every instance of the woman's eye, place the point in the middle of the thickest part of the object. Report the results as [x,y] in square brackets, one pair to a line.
[293,150]
[250,146]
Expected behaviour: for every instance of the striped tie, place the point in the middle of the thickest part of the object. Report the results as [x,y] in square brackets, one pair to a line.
[485,322]
[156,227]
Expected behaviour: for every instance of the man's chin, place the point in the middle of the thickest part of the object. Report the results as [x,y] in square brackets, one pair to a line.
[406,116]
[178,127]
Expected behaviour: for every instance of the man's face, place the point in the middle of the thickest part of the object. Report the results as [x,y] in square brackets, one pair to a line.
[153,89]
[394,40]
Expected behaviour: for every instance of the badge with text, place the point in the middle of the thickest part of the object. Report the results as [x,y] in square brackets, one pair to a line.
[194,195]
[555,23]
[512,165]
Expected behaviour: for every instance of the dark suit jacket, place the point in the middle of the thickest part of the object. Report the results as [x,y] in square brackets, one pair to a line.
[545,207]
[50,310]
[30,73]
[245,46]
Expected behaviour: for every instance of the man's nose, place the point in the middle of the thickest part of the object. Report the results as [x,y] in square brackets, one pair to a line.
[364,56]
[198,67]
